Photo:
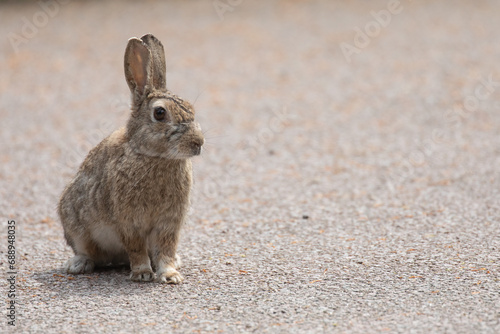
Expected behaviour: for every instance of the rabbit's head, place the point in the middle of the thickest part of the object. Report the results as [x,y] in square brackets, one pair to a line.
[161,124]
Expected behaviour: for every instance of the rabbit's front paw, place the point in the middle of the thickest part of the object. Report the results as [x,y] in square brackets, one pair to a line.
[80,264]
[142,274]
[171,276]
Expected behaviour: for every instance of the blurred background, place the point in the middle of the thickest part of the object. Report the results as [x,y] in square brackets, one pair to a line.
[324,120]
[354,84]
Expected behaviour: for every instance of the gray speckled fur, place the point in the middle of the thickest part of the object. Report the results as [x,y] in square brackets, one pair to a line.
[130,196]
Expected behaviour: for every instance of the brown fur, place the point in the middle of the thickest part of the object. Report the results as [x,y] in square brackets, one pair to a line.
[130,196]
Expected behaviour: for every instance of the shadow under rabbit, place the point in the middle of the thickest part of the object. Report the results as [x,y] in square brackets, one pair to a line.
[115,277]
[109,281]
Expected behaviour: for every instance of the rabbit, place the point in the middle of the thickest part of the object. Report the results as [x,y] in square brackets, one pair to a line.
[131,195]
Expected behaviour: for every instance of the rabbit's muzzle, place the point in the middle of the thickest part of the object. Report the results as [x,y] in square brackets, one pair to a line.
[190,138]
[197,144]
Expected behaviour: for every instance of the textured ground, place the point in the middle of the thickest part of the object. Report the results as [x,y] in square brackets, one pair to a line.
[335,194]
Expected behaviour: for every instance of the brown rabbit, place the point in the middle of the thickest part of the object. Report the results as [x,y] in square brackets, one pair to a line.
[130,196]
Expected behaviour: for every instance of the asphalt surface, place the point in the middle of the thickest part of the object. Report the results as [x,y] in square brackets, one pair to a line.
[350,181]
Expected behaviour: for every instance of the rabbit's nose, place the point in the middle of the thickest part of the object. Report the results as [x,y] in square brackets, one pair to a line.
[197,143]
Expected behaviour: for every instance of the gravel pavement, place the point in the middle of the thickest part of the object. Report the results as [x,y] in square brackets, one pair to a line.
[350,180]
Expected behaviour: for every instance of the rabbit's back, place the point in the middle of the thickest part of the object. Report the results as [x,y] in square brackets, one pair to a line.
[87,198]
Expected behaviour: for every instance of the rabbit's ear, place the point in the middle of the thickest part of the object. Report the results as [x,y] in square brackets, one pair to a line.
[158,60]
[138,68]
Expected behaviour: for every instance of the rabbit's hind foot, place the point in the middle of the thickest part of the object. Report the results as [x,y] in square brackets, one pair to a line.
[80,264]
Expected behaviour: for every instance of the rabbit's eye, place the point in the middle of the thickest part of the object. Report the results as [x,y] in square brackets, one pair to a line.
[160,113]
